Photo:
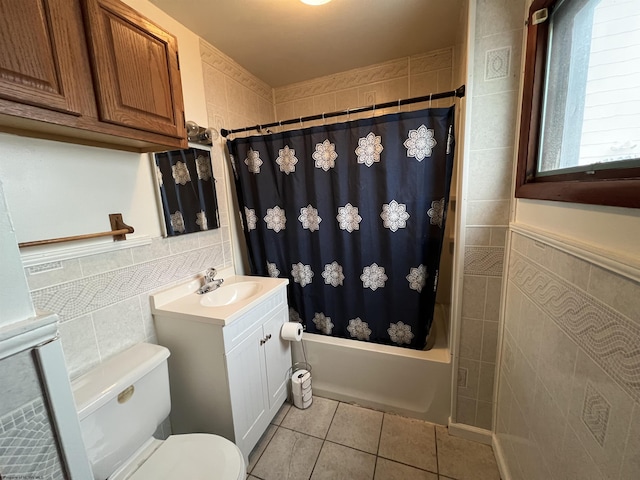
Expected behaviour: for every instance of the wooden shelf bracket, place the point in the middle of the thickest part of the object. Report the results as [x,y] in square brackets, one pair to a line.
[119,231]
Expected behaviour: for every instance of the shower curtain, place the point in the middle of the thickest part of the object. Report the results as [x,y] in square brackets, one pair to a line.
[353,214]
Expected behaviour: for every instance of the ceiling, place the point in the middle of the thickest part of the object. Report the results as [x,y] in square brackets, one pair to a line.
[286,41]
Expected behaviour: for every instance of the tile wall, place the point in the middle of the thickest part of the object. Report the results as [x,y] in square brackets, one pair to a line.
[491,115]
[401,78]
[568,404]
[103,300]
[28,447]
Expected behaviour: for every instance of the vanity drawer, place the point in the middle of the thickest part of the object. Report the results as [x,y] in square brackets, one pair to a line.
[237,330]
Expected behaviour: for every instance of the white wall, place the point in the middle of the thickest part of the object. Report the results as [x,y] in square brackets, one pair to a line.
[615,230]
[15,302]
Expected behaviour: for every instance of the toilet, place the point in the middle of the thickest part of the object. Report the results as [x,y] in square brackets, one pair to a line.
[120,405]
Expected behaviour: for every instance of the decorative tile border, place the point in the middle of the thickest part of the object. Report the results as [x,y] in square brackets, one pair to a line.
[609,338]
[218,60]
[341,81]
[431,61]
[27,444]
[595,413]
[80,297]
[484,261]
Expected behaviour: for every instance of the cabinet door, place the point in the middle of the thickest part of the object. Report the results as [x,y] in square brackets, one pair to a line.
[38,47]
[278,359]
[136,69]
[247,388]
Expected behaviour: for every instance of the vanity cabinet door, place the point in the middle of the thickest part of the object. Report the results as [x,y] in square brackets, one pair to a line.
[38,48]
[248,389]
[136,69]
[277,358]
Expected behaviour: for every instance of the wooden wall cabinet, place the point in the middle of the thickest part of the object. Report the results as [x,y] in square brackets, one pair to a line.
[89,71]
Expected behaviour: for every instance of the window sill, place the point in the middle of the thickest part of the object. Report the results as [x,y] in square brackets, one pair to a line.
[615,193]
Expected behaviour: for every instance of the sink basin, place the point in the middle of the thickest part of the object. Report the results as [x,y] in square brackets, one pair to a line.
[230,294]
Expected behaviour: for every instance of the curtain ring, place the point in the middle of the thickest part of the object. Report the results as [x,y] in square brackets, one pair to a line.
[301,126]
[430,95]
[280,125]
[348,114]
[398,105]
[374,111]
[323,118]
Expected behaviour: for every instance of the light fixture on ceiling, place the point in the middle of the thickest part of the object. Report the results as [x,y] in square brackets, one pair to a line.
[315,2]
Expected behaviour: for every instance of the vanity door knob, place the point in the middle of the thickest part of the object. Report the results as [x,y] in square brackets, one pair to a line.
[268,337]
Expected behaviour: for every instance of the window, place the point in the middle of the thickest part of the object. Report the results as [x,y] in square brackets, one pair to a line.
[580,127]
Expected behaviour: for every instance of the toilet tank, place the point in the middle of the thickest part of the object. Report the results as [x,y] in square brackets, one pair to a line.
[120,404]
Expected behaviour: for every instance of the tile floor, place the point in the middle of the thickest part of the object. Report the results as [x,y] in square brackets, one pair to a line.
[337,441]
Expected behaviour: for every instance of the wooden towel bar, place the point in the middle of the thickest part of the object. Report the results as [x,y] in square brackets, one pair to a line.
[119,231]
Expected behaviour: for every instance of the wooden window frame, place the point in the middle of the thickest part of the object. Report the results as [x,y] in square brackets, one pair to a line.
[613,187]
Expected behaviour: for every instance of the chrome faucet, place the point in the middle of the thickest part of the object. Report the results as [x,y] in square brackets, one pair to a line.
[210,282]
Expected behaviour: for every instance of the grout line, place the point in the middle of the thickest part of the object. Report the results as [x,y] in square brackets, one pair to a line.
[435,433]
[380,435]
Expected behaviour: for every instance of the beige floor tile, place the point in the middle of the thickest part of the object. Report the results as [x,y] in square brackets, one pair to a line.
[409,441]
[314,420]
[337,462]
[463,459]
[260,447]
[356,427]
[277,420]
[388,470]
[289,455]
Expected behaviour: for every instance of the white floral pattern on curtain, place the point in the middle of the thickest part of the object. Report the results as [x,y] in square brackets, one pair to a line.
[188,191]
[370,199]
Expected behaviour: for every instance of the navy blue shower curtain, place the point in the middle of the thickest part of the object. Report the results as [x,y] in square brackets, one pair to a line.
[353,214]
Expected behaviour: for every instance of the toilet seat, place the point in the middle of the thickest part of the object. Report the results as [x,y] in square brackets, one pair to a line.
[193,456]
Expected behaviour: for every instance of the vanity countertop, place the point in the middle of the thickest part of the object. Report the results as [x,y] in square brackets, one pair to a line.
[182,301]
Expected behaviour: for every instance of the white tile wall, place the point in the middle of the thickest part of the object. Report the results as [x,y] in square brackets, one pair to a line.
[488,178]
[570,368]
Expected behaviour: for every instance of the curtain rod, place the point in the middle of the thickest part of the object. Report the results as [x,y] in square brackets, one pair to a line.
[458,92]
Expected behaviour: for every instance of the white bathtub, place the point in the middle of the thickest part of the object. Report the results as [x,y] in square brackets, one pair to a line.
[408,382]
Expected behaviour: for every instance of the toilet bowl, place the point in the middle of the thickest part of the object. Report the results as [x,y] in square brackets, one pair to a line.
[122,402]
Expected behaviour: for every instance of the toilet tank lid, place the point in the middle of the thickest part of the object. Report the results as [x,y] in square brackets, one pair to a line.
[107,380]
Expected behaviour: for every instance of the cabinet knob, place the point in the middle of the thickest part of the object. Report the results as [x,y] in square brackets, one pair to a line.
[268,337]
[265,339]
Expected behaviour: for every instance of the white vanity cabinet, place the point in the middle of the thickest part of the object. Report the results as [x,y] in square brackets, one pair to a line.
[227,376]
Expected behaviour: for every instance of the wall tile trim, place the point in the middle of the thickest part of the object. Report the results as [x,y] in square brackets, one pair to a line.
[353,78]
[215,58]
[80,297]
[484,261]
[626,266]
[609,338]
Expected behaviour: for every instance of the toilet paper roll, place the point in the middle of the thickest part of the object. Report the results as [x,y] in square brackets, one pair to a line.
[291,331]
[300,380]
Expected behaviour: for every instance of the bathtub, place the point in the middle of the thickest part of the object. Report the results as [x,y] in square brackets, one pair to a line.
[408,382]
